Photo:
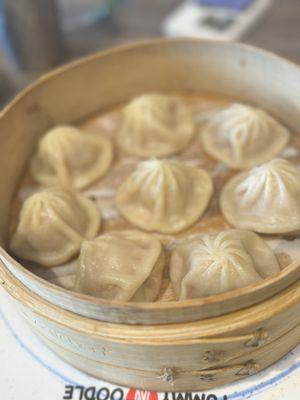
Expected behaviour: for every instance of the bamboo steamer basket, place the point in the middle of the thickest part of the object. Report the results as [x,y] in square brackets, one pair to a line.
[171,357]
[176,346]
[77,91]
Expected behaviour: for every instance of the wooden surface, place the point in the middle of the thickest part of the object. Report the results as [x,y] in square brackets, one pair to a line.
[33,29]
[278,30]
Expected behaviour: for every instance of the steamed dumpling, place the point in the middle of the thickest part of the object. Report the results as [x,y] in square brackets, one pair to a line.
[125,266]
[68,157]
[53,223]
[155,125]
[164,196]
[243,136]
[265,199]
[213,264]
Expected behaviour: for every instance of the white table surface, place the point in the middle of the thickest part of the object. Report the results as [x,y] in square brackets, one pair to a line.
[30,371]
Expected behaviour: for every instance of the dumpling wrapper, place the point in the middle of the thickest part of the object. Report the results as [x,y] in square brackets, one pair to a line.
[214,264]
[265,199]
[66,156]
[52,225]
[155,125]
[124,266]
[164,196]
[243,137]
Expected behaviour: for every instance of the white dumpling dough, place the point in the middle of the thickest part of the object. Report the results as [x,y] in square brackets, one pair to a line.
[124,266]
[155,125]
[52,225]
[265,199]
[66,156]
[164,196]
[243,137]
[213,264]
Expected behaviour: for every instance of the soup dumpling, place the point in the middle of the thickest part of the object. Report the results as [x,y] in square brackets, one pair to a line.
[243,137]
[155,125]
[66,156]
[125,266]
[52,225]
[164,196]
[214,264]
[265,199]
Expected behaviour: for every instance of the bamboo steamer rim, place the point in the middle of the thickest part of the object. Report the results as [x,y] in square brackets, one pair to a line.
[164,334]
[292,269]
[131,46]
[291,273]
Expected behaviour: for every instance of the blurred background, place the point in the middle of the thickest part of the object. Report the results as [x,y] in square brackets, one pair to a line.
[38,35]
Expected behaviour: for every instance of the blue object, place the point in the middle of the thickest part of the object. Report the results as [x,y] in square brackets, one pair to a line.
[233,4]
[4,39]
[103,12]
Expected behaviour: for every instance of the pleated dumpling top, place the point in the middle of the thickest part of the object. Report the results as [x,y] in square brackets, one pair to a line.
[164,196]
[52,225]
[155,125]
[265,199]
[66,156]
[243,137]
[216,263]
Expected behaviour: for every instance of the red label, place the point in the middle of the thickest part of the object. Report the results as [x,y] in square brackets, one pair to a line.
[141,395]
